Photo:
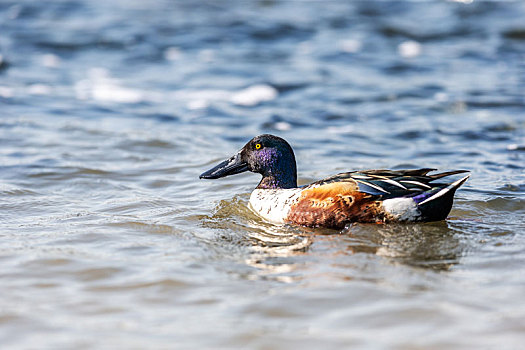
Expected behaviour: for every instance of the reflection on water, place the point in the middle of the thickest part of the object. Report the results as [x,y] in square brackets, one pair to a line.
[269,245]
[430,245]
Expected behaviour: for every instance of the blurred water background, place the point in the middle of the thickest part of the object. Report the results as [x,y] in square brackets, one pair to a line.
[109,111]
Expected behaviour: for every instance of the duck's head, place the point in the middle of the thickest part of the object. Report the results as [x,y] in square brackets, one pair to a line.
[268,155]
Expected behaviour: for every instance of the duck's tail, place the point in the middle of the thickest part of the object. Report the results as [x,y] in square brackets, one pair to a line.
[436,203]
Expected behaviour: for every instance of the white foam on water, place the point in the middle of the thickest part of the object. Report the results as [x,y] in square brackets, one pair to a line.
[51,61]
[350,45]
[254,95]
[39,89]
[409,49]
[198,104]
[6,92]
[100,86]
[283,126]
[172,54]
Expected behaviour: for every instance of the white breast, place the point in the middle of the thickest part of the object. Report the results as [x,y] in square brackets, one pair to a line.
[274,205]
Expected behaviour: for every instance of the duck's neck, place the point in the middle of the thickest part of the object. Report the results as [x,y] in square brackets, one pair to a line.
[282,174]
[273,182]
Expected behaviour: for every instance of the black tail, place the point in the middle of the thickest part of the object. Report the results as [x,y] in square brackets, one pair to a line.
[448,173]
[437,203]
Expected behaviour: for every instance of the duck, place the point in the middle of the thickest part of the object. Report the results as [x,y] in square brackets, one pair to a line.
[367,196]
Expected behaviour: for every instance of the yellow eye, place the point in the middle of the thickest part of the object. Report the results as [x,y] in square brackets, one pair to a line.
[258,146]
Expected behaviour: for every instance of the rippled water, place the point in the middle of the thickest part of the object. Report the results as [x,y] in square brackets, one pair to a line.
[111,109]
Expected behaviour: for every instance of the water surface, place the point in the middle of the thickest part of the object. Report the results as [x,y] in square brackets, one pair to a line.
[111,110]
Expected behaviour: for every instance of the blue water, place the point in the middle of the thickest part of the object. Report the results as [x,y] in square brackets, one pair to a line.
[109,111]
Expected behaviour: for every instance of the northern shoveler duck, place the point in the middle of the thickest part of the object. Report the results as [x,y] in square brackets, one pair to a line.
[373,196]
